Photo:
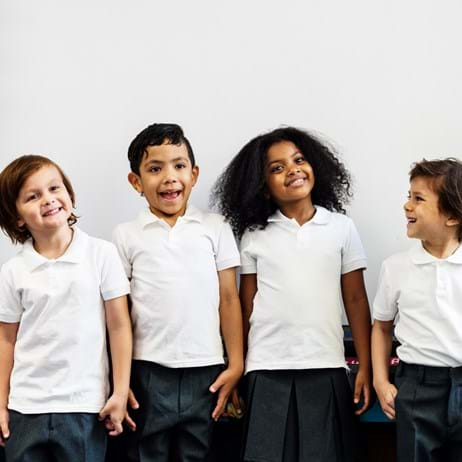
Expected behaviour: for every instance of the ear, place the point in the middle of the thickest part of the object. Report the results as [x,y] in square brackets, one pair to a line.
[452,221]
[135,181]
[20,223]
[195,174]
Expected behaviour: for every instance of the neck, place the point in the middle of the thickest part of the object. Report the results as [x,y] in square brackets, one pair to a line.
[302,211]
[55,244]
[169,219]
[442,248]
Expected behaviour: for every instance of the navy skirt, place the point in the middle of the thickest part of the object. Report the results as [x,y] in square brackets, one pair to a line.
[300,416]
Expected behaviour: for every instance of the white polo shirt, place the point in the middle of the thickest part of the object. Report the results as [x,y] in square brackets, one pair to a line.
[174,285]
[60,357]
[424,294]
[296,321]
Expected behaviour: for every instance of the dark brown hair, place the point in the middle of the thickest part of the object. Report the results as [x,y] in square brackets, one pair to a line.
[446,179]
[12,179]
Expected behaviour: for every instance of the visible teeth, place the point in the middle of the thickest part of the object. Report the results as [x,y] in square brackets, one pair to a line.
[170,195]
[297,182]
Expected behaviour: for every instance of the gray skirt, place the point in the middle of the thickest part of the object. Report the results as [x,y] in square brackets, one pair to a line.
[300,416]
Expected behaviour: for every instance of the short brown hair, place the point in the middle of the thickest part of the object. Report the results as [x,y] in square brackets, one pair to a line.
[12,179]
[446,178]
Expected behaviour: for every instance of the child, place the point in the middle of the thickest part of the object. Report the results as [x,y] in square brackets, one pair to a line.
[57,295]
[181,262]
[422,290]
[299,260]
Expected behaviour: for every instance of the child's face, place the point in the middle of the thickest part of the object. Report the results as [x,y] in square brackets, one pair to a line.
[289,176]
[425,221]
[166,179]
[43,202]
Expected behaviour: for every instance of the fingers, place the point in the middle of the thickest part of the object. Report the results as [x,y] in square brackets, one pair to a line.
[132,401]
[219,382]
[364,391]
[4,432]
[130,422]
[221,404]
[236,401]
[103,413]
[117,428]
[387,402]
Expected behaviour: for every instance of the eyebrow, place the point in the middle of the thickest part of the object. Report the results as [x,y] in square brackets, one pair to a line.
[161,162]
[51,182]
[280,160]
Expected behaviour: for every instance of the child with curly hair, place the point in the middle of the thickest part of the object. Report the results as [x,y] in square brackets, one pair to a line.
[284,195]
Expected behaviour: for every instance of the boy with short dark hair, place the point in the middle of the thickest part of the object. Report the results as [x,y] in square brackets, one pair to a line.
[181,262]
[422,291]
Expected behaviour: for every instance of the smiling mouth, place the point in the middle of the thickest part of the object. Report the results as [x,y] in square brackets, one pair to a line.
[296,182]
[170,195]
[411,220]
[52,212]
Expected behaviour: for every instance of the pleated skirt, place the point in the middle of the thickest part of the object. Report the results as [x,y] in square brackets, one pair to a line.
[300,416]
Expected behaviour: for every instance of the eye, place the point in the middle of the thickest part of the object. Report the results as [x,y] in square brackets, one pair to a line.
[180,165]
[154,169]
[419,198]
[30,197]
[55,188]
[300,160]
[276,168]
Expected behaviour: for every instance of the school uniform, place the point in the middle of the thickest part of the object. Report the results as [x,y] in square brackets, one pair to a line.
[300,403]
[423,295]
[59,381]
[178,350]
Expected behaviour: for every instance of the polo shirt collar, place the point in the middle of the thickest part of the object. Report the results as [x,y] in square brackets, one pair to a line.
[420,256]
[73,254]
[321,217]
[146,217]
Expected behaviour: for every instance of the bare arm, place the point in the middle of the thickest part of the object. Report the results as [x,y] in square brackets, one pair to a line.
[359,318]
[248,289]
[8,332]
[120,341]
[381,351]
[231,329]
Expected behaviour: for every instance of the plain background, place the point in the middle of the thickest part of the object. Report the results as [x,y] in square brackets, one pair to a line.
[380,80]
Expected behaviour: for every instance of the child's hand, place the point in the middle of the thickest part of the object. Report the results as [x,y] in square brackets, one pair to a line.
[224,385]
[113,413]
[4,426]
[235,410]
[386,392]
[133,404]
[362,389]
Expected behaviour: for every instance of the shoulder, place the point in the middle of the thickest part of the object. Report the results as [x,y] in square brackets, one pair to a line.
[127,226]
[13,264]
[212,222]
[210,218]
[336,219]
[397,262]
[96,246]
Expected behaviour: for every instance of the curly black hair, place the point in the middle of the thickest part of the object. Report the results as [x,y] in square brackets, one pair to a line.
[240,192]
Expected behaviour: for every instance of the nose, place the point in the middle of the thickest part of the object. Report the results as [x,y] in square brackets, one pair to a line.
[407,206]
[170,176]
[294,170]
[48,199]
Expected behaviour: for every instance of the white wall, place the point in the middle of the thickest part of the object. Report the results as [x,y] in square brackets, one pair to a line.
[380,79]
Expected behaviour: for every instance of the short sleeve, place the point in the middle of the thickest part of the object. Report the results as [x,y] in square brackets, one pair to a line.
[227,253]
[248,260]
[114,282]
[385,306]
[119,242]
[353,255]
[10,301]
